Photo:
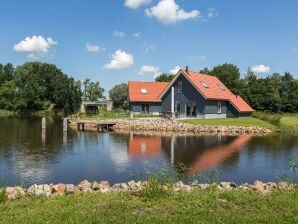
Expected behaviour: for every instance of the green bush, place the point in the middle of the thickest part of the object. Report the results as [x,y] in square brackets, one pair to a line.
[269,117]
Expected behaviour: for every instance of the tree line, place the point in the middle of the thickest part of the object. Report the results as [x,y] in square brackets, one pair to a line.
[275,93]
[36,86]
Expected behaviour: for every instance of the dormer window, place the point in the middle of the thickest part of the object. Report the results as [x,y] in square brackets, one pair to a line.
[221,86]
[144,91]
[204,84]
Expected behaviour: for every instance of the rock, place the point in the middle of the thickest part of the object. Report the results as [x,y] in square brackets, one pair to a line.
[116,187]
[58,189]
[204,186]
[179,184]
[39,190]
[187,188]
[259,186]
[13,193]
[283,185]
[85,184]
[132,184]
[124,186]
[227,185]
[270,186]
[95,186]
[105,184]
[69,189]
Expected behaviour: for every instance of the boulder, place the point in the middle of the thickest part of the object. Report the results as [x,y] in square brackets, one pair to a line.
[58,189]
[39,190]
[69,188]
[13,193]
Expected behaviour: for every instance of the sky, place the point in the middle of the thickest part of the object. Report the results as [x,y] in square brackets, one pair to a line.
[135,40]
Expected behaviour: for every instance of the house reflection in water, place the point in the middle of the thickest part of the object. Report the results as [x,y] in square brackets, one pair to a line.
[144,146]
[197,153]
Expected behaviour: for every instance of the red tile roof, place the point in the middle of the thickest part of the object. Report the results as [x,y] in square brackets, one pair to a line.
[215,90]
[209,86]
[153,90]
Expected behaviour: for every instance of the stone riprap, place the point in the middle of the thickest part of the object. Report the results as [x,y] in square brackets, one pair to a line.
[51,190]
[166,125]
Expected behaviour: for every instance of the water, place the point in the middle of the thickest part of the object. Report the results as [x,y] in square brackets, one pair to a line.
[28,155]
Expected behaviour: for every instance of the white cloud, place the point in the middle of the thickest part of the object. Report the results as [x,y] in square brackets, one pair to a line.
[134,4]
[174,70]
[120,59]
[36,46]
[167,12]
[136,35]
[260,69]
[119,34]
[212,12]
[147,48]
[94,48]
[149,69]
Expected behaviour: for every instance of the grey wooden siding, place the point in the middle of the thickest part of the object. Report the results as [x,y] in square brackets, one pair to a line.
[190,94]
[137,107]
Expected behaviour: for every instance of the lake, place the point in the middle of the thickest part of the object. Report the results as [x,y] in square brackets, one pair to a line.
[28,155]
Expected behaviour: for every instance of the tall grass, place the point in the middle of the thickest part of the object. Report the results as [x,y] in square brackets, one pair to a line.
[3,197]
[269,117]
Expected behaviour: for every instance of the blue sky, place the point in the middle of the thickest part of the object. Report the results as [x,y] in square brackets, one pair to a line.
[137,39]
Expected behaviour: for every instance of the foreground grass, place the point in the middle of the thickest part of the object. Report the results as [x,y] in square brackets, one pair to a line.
[197,207]
[289,122]
[246,122]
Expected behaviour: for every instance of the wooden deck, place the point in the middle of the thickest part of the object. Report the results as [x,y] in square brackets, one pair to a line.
[100,126]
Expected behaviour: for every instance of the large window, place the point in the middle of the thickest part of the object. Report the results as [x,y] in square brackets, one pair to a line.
[219,107]
[145,108]
[179,87]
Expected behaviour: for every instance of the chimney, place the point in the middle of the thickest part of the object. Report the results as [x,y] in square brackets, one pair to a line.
[186,68]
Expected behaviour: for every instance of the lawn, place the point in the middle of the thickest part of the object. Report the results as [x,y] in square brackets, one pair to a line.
[211,206]
[289,122]
[246,122]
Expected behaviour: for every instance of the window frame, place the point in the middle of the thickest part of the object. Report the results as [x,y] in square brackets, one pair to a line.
[219,107]
[179,88]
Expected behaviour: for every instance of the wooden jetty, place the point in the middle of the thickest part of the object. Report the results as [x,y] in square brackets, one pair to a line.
[100,126]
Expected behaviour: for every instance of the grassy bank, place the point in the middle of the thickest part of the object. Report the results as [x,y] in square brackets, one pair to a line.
[289,122]
[246,122]
[4,113]
[197,207]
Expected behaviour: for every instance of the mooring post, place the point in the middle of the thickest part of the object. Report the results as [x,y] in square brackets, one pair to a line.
[43,123]
[65,124]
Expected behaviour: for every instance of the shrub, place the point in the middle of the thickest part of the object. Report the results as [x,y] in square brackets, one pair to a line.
[269,117]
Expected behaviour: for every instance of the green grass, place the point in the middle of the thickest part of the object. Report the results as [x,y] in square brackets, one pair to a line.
[246,122]
[197,207]
[289,122]
[4,113]
[113,115]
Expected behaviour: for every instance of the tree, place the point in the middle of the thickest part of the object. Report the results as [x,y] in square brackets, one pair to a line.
[6,73]
[164,77]
[229,75]
[40,84]
[119,95]
[92,91]
[8,95]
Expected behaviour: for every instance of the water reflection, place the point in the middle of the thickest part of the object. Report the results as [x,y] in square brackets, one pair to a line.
[55,156]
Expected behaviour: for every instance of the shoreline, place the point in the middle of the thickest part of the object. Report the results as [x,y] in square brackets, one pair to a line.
[166,126]
[53,190]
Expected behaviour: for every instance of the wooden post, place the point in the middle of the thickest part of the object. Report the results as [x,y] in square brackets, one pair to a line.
[43,123]
[65,124]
